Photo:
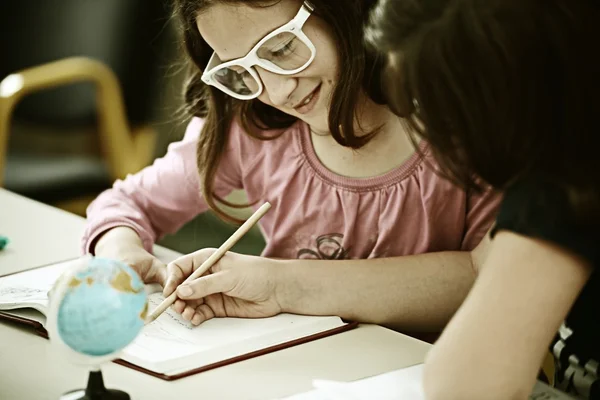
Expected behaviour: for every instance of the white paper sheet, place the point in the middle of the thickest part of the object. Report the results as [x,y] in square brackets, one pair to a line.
[402,384]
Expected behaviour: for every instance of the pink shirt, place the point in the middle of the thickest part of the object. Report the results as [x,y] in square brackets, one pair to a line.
[315,213]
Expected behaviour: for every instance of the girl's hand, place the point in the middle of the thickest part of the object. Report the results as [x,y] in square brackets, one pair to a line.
[236,286]
[124,244]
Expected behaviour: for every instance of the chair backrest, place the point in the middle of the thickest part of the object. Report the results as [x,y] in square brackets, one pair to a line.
[126,35]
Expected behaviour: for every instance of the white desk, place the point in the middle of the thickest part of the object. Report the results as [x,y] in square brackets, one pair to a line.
[30,370]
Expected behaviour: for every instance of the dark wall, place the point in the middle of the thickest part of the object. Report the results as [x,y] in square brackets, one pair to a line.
[128,35]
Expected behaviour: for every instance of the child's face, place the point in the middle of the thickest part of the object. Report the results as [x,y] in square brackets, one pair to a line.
[232,30]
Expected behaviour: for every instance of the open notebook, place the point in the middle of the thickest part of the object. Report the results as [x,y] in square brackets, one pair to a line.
[170,347]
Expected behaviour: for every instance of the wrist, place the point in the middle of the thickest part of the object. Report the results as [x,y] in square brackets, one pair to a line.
[284,284]
[115,238]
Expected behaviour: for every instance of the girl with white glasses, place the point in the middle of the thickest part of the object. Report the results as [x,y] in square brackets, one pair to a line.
[286,104]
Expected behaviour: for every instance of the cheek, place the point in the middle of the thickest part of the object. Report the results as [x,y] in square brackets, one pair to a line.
[328,63]
[325,67]
[264,98]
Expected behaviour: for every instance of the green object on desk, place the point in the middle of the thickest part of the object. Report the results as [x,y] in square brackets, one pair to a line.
[3,242]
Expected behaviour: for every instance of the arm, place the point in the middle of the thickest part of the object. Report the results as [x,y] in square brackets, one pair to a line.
[418,293]
[495,344]
[157,200]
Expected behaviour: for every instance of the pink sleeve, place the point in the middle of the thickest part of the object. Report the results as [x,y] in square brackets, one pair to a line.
[481,214]
[161,198]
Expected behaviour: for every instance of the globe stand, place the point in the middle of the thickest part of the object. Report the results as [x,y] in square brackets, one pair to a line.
[95,390]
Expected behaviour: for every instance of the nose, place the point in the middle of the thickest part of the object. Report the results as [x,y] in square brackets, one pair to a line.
[278,87]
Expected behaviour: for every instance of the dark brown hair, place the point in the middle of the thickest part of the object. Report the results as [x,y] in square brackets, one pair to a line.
[360,73]
[501,89]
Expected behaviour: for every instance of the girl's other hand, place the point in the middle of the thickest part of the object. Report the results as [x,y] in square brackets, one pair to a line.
[124,244]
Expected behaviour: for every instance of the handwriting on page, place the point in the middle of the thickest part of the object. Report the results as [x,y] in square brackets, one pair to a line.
[163,327]
[29,287]
[22,294]
[41,279]
[170,337]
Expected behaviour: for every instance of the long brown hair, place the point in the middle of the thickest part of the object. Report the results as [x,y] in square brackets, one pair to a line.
[501,89]
[360,73]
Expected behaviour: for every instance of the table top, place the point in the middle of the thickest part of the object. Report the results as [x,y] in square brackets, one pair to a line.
[38,234]
[30,368]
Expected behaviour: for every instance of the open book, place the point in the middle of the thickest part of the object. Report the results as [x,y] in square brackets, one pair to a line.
[170,347]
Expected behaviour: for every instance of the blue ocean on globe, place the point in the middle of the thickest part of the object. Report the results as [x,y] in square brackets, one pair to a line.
[103,308]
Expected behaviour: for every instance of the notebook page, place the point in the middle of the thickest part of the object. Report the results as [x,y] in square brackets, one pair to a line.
[30,288]
[171,344]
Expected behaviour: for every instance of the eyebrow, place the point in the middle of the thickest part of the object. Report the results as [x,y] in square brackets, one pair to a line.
[251,47]
[255,43]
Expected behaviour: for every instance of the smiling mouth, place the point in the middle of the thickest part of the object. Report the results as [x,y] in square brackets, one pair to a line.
[309,101]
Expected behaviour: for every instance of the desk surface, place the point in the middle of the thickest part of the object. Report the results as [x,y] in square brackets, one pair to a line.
[38,234]
[30,369]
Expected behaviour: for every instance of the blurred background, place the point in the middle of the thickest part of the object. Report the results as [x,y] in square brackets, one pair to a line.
[91,91]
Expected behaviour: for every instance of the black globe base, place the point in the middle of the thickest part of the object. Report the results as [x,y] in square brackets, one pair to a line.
[95,390]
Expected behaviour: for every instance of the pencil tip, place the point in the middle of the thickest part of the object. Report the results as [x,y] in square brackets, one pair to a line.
[150,319]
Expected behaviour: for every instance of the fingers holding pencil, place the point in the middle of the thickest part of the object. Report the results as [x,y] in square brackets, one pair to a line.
[180,269]
[238,285]
[177,273]
[187,265]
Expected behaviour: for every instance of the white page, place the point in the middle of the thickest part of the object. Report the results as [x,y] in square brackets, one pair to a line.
[30,288]
[170,344]
[310,395]
[402,384]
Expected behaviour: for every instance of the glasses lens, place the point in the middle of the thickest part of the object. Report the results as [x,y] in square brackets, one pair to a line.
[286,50]
[237,79]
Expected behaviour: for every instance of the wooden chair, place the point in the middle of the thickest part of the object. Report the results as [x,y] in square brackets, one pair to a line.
[122,150]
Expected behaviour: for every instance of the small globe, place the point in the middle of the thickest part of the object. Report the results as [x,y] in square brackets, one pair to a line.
[97,307]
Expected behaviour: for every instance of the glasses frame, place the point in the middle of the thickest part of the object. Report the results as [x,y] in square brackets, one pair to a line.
[251,59]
